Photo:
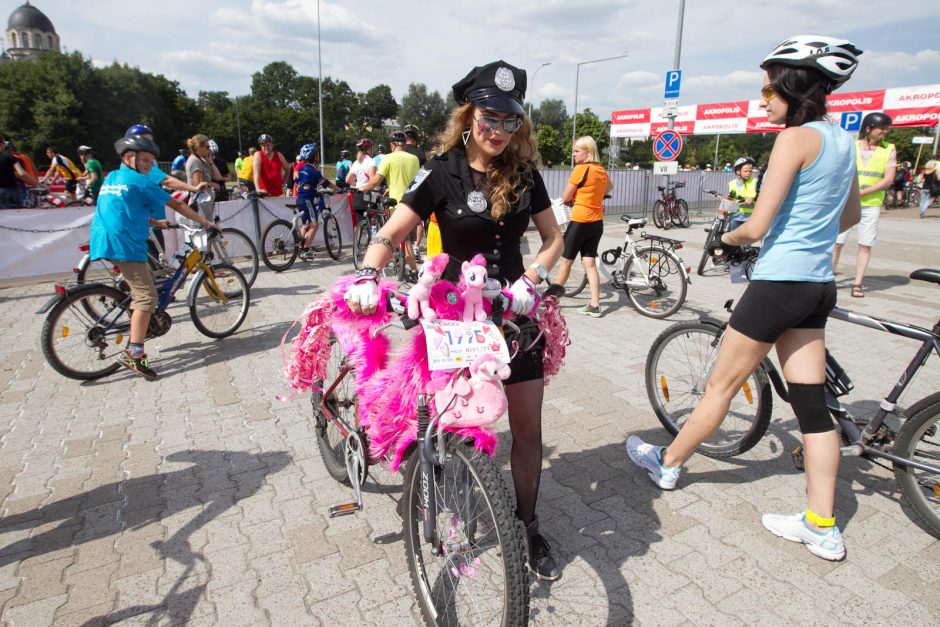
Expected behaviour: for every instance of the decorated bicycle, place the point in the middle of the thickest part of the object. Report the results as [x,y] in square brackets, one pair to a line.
[430,405]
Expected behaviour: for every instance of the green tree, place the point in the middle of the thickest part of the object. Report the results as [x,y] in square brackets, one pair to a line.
[376,105]
[550,145]
[551,112]
[426,110]
[275,86]
[588,124]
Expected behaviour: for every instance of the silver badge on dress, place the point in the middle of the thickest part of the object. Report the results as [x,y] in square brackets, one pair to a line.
[476,201]
[504,79]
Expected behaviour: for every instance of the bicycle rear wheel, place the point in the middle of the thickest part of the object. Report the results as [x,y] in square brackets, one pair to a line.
[659,214]
[341,403]
[655,282]
[919,440]
[84,331]
[680,216]
[361,241]
[331,236]
[220,307]
[280,245]
[236,249]
[477,571]
[677,368]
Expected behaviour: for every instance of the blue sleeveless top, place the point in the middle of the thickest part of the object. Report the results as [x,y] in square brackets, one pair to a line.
[798,246]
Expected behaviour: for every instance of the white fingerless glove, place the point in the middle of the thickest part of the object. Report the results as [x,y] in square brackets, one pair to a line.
[523,296]
[365,293]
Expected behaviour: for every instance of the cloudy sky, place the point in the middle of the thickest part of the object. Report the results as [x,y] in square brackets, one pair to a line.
[218,45]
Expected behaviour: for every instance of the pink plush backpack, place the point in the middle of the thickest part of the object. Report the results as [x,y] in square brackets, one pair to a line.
[477,401]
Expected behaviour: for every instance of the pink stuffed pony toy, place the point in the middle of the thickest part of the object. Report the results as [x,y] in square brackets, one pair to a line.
[419,297]
[478,401]
[474,278]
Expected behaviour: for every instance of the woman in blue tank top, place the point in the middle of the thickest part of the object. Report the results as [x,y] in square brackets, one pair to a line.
[808,196]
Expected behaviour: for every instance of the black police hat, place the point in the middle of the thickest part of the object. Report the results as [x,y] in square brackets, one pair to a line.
[496,86]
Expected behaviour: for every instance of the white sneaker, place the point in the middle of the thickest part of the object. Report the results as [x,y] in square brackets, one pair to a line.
[827,545]
[650,458]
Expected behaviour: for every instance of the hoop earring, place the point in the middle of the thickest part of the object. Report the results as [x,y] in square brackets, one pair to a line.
[466,136]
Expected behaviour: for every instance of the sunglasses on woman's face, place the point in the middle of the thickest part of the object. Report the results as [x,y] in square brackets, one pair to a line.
[490,124]
[767,92]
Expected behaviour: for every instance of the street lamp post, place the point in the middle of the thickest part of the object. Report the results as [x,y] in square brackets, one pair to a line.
[320,89]
[577,76]
[531,86]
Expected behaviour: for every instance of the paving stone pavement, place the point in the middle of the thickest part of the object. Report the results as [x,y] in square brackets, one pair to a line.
[201,499]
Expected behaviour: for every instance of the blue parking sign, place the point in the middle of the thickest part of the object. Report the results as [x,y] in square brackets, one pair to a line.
[851,120]
[673,78]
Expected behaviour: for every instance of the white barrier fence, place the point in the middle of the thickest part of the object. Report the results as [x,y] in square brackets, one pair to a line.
[43,242]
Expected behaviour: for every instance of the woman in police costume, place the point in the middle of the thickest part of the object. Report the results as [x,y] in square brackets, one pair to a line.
[484,188]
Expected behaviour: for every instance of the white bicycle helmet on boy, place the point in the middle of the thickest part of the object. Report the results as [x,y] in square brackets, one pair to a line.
[835,58]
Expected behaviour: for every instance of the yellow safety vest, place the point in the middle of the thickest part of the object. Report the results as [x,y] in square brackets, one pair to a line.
[746,189]
[873,172]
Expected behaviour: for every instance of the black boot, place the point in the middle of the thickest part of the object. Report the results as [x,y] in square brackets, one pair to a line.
[541,562]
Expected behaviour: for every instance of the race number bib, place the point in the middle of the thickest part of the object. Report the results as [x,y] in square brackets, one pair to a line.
[454,344]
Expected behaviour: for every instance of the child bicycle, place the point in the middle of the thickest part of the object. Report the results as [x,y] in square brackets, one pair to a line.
[670,210]
[88,325]
[464,546]
[682,357]
[710,264]
[281,240]
[649,270]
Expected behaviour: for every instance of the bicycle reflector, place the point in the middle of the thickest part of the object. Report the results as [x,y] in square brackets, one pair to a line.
[664,387]
[747,393]
[84,247]
[60,289]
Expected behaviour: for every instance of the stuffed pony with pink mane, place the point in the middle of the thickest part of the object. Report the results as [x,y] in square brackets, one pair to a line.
[473,278]
[419,297]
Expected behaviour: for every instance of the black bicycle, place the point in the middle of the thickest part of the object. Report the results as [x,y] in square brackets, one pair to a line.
[709,264]
[682,357]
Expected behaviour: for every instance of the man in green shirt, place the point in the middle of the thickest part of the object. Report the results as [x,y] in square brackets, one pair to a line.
[94,175]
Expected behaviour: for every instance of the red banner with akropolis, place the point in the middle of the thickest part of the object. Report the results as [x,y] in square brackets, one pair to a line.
[907,106]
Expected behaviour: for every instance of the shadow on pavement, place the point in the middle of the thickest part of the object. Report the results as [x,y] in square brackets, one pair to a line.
[215,481]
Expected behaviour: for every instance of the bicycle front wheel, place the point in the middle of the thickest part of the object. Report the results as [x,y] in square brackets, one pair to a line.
[361,241]
[341,403]
[331,236]
[659,214]
[709,264]
[475,571]
[280,245]
[680,216]
[236,249]
[677,369]
[84,331]
[919,440]
[655,282]
[221,301]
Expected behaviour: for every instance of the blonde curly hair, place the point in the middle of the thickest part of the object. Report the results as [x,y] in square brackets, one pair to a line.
[509,174]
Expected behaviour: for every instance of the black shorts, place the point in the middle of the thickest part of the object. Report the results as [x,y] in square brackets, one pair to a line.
[583,238]
[71,185]
[527,365]
[769,308]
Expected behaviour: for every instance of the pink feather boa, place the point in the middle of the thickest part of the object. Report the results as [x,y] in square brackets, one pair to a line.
[388,384]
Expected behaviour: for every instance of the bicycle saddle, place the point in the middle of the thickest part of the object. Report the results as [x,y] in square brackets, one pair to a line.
[634,223]
[678,185]
[926,274]
[389,202]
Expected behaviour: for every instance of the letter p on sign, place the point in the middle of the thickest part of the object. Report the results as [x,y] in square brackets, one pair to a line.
[673,79]
[851,120]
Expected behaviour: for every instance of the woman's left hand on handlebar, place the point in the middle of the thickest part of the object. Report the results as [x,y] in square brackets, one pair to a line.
[363,296]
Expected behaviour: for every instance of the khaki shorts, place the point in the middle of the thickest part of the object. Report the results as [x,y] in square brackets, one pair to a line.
[867,228]
[139,278]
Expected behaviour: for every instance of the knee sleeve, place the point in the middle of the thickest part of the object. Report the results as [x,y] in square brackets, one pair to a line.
[808,401]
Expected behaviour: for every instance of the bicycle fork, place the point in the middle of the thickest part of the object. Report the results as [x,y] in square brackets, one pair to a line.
[427,458]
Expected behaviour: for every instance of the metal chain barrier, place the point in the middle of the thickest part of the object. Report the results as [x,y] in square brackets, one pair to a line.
[245,206]
[68,228]
[265,207]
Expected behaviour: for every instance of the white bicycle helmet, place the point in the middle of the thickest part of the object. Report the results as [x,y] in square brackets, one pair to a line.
[213,147]
[835,58]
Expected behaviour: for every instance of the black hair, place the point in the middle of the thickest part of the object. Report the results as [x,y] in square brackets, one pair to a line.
[804,90]
[53,149]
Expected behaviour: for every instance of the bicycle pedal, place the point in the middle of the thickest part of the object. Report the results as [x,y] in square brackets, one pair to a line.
[345,509]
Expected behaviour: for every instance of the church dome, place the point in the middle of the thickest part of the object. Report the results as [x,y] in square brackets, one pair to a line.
[28,16]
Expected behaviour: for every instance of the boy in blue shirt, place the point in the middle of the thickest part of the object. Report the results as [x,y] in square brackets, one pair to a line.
[307,179]
[120,230]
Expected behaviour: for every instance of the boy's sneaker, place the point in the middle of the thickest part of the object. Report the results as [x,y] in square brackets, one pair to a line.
[828,545]
[307,255]
[140,365]
[650,458]
[594,312]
